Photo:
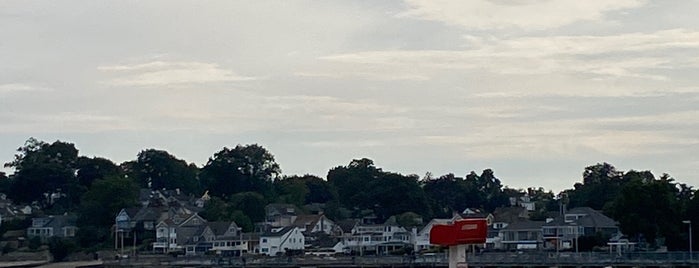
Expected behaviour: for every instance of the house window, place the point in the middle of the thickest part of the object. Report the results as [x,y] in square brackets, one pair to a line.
[265,250]
[264,240]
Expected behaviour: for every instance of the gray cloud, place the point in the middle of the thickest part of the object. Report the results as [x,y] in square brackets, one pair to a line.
[536,90]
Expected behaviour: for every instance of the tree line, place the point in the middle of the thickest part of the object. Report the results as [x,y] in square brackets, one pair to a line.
[242,180]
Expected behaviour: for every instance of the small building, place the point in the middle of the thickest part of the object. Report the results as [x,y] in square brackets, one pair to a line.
[282,240]
[53,226]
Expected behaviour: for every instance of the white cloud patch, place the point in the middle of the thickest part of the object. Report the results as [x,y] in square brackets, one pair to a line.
[164,73]
[17,87]
[563,138]
[627,56]
[523,14]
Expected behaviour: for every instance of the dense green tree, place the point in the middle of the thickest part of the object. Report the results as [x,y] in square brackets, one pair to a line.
[4,183]
[491,190]
[43,170]
[649,208]
[409,220]
[319,190]
[252,204]
[100,205]
[157,169]
[243,221]
[448,194]
[291,190]
[249,168]
[394,193]
[354,181]
[60,248]
[601,184]
[216,210]
[363,186]
[95,168]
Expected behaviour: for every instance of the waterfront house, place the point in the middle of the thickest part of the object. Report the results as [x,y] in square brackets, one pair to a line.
[281,240]
[173,233]
[376,239]
[562,232]
[52,226]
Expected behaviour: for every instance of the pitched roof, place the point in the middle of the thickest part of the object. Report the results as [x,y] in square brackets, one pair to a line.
[220,228]
[279,232]
[347,225]
[306,220]
[525,225]
[591,218]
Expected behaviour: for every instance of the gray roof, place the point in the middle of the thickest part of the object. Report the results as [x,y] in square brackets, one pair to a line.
[59,221]
[592,218]
[220,228]
[347,225]
[279,232]
[525,225]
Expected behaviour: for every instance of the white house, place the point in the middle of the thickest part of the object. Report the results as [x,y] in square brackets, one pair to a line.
[281,240]
[376,238]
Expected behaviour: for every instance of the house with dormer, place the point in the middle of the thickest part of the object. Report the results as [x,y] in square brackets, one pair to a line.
[177,231]
[53,226]
[279,241]
[561,232]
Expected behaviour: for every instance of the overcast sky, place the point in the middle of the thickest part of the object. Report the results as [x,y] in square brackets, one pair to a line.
[535,90]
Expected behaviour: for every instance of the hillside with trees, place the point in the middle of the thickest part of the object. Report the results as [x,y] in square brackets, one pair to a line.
[242,180]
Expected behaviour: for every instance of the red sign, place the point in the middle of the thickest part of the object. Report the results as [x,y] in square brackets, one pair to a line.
[466,231]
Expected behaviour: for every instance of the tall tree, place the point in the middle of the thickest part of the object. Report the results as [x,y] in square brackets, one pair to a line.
[648,207]
[354,181]
[157,169]
[291,190]
[43,170]
[251,204]
[448,194]
[241,169]
[601,184]
[393,194]
[99,206]
[363,186]
[95,168]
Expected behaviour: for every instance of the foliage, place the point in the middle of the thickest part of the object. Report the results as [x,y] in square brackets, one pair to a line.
[60,248]
[243,221]
[362,186]
[590,242]
[91,169]
[99,206]
[291,190]
[43,169]
[249,168]
[647,206]
[251,204]
[409,220]
[156,169]
[34,243]
[601,184]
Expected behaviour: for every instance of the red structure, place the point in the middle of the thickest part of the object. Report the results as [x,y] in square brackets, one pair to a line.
[466,231]
[457,236]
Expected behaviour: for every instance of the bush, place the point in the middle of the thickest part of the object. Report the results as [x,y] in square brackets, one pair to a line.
[61,248]
[34,243]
